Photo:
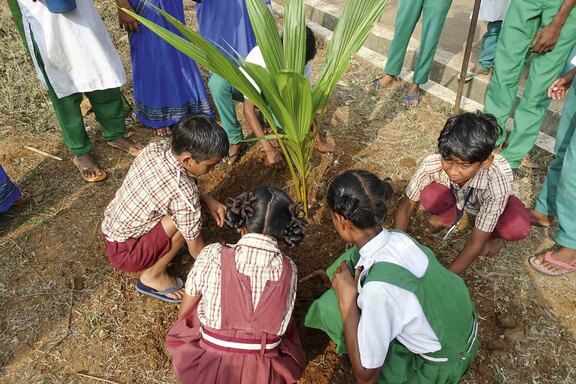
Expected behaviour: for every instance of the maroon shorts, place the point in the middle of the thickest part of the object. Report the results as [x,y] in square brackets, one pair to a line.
[134,255]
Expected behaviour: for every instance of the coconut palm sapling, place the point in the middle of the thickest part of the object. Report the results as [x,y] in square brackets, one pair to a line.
[285,93]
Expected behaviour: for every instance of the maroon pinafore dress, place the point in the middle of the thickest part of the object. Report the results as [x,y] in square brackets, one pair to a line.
[197,360]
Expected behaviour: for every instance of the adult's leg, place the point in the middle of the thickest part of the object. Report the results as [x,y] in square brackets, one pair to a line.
[546,203]
[224,94]
[433,18]
[534,102]
[489,41]
[108,107]
[406,18]
[157,275]
[521,24]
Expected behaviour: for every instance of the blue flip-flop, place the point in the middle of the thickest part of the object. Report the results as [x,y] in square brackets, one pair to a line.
[160,294]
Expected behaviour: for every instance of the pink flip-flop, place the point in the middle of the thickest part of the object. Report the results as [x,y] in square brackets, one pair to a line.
[568,268]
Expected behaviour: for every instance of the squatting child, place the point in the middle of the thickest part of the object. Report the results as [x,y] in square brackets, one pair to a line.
[157,208]
[398,313]
[466,176]
[235,323]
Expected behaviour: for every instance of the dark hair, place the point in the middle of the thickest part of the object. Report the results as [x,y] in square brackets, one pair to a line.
[201,136]
[310,44]
[360,196]
[270,211]
[469,136]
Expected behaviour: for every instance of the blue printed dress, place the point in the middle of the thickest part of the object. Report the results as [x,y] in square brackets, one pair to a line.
[167,84]
[9,192]
[226,24]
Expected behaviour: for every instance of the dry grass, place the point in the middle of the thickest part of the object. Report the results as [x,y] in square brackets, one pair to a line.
[66,316]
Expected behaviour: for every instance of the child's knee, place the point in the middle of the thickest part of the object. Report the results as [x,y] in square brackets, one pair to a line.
[436,195]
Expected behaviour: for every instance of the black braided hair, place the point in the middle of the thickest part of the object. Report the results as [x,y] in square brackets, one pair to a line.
[270,211]
[360,196]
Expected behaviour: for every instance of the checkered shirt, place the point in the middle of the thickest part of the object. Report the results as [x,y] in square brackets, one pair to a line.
[492,187]
[258,257]
[151,191]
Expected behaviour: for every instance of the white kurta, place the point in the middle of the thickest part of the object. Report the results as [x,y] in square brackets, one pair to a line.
[75,46]
[492,10]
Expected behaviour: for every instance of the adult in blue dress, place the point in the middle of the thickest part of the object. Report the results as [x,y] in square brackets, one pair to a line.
[10,194]
[167,84]
[226,24]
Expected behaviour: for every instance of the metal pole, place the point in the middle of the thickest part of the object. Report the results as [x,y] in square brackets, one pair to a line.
[467,51]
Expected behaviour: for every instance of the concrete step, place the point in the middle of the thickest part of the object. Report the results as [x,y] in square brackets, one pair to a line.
[446,66]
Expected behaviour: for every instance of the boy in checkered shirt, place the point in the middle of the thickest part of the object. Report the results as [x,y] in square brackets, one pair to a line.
[157,208]
[466,176]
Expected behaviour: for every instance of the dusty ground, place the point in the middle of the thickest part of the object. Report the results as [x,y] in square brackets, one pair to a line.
[66,316]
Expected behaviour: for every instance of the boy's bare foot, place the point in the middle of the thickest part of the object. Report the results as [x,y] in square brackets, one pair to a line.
[553,264]
[127,145]
[161,283]
[164,131]
[383,82]
[413,96]
[490,249]
[325,147]
[536,218]
[434,224]
[89,171]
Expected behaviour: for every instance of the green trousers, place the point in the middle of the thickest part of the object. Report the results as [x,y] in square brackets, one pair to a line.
[523,20]
[107,104]
[558,192]
[224,94]
[433,16]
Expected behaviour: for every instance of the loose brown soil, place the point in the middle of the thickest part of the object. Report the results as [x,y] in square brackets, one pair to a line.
[66,316]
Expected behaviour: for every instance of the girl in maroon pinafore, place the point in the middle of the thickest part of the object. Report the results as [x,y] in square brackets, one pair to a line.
[235,323]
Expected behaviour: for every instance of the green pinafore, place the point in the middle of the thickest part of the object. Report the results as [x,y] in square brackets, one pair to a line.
[446,303]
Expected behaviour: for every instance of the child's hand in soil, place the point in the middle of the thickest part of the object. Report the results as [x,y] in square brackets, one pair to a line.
[217,209]
[321,274]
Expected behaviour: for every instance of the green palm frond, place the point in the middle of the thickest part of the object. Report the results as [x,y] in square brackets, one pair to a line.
[284,93]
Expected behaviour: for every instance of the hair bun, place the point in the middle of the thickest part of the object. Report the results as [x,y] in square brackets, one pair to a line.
[388,191]
[294,232]
[240,209]
[346,206]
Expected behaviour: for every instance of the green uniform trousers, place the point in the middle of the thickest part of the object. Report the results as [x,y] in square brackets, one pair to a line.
[523,20]
[107,104]
[558,192]
[224,94]
[433,16]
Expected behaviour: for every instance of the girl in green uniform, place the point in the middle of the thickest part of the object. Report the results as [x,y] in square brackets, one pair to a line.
[398,313]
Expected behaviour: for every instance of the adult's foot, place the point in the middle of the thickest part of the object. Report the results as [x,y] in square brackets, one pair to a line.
[537,218]
[325,147]
[162,282]
[383,82]
[413,96]
[566,256]
[23,199]
[164,131]
[88,168]
[491,249]
[127,145]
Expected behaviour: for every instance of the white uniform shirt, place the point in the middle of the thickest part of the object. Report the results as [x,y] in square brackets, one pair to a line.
[255,57]
[390,312]
[493,10]
[75,47]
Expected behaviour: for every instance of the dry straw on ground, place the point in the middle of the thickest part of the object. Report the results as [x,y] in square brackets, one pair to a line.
[66,316]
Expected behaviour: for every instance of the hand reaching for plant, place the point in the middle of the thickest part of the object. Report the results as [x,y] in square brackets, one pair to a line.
[321,274]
